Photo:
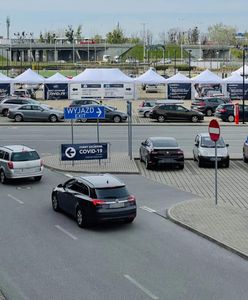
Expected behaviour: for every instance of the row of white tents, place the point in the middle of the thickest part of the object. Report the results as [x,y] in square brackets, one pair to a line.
[115,76]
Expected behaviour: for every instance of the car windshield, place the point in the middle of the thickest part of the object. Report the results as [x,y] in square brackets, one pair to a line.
[113,192]
[25,156]
[206,142]
[165,143]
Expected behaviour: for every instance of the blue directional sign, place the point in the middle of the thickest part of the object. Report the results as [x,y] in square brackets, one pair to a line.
[84,151]
[84,112]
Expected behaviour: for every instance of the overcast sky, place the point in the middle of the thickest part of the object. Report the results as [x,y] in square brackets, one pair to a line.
[101,16]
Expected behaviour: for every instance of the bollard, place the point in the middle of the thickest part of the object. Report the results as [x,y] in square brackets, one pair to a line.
[236,113]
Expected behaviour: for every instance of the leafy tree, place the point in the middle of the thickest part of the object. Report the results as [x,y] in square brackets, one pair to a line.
[79,32]
[98,38]
[69,33]
[222,34]
[116,36]
[195,35]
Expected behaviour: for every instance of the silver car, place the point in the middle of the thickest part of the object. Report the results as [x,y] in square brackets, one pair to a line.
[19,161]
[32,112]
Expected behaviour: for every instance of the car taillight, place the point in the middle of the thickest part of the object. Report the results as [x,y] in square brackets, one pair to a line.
[202,104]
[131,198]
[141,104]
[222,110]
[154,152]
[10,165]
[180,152]
[97,202]
[41,162]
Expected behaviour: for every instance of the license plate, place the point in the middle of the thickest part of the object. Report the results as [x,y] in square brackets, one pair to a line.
[116,205]
[213,158]
[27,170]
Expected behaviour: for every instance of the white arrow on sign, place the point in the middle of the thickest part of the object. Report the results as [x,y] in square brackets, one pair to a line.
[99,112]
[70,152]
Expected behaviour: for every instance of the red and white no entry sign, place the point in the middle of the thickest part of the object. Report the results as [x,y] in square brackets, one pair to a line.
[214,130]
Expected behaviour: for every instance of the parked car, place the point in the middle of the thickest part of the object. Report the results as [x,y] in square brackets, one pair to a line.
[175,112]
[111,115]
[145,108]
[82,102]
[27,93]
[95,198]
[14,102]
[225,112]
[245,150]
[155,151]
[208,105]
[204,151]
[151,88]
[33,112]
[19,161]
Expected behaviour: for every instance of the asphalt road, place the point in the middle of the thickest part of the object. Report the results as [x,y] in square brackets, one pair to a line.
[44,255]
[47,139]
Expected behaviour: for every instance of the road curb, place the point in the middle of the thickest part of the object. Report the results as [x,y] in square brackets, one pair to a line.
[204,235]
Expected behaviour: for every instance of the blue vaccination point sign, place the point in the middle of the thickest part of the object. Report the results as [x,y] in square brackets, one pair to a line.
[84,112]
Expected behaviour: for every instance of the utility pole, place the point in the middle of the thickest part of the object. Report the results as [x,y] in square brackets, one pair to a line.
[144,41]
[8,26]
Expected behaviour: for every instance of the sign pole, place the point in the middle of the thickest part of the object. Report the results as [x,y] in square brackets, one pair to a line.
[72,137]
[98,136]
[216,167]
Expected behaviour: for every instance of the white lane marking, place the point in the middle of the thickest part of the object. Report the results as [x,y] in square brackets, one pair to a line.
[66,232]
[214,130]
[16,199]
[69,175]
[148,209]
[145,290]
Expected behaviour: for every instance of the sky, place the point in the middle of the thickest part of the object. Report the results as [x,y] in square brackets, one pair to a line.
[102,16]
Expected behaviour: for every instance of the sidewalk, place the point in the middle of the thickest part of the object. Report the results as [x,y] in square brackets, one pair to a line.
[224,224]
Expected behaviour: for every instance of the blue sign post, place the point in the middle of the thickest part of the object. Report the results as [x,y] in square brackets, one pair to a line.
[84,112]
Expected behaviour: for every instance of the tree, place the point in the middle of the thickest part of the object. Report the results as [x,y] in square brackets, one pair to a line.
[116,36]
[222,34]
[79,32]
[69,33]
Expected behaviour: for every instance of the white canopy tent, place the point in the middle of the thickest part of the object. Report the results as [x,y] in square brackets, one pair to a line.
[234,78]
[240,71]
[103,84]
[57,78]
[179,87]
[6,86]
[233,86]
[102,76]
[5,79]
[29,77]
[150,77]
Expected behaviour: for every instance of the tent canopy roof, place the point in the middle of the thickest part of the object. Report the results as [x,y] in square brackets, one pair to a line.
[102,76]
[5,79]
[234,78]
[178,78]
[29,77]
[150,77]
[240,71]
[57,78]
[207,77]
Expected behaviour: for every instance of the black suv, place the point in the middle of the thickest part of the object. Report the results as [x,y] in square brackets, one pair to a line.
[175,112]
[225,112]
[208,105]
[95,198]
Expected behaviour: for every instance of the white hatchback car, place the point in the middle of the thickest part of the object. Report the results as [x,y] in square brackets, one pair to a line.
[19,161]
[204,151]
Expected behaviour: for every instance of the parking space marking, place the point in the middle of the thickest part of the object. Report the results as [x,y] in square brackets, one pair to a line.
[16,199]
[148,209]
[141,287]
[66,232]
[68,175]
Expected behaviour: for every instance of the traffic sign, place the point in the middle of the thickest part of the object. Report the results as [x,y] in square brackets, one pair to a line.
[90,151]
[214,130]
[84,112]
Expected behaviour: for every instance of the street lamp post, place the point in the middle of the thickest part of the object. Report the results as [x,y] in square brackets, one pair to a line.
[245,48]
[189,62]
[175,62]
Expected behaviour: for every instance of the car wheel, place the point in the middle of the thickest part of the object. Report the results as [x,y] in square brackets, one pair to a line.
[194,119]
[5,112]
[117,119]
[129,220]
[140,157]
[245,159]
[37,178]
[18,118]
[227,164]
[194,158]
[161,118]
[230,118]
[146,114]
[81,219]
[148,166]
[3,178]
[209,112]
[55,203]
[181,167]
[53,118]
[200,163]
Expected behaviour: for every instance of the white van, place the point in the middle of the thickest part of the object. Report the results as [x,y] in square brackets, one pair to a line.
[106,58]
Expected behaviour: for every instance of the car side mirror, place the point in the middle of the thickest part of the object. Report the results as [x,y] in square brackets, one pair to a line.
[143,143]
[227,145]
[196,144]
[60,185]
